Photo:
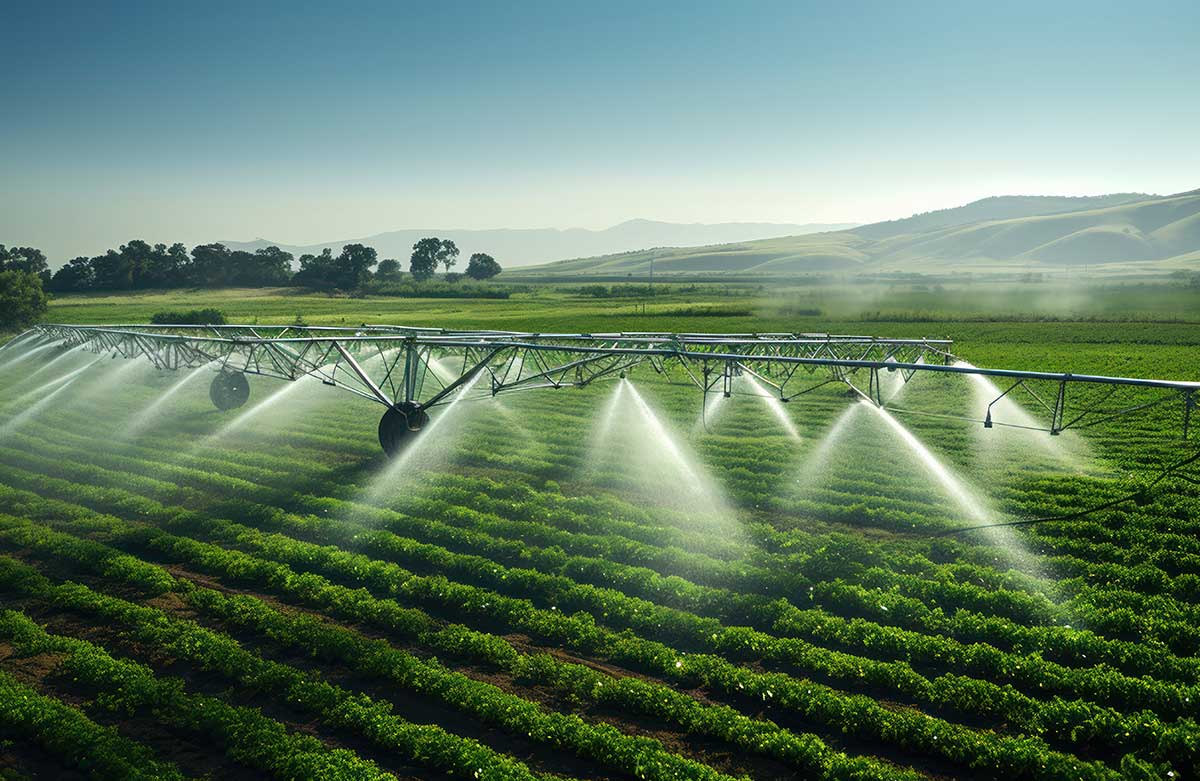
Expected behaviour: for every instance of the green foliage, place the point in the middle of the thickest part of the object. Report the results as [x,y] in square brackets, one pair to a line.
[428,254]
[124,687]
[434,289]
[28,259]
[209,316]
[22,300]
[139,266]
[350,270]
[69,734]
[389,270]
[482,266]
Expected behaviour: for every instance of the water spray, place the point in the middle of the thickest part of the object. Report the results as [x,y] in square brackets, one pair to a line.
[662,436]
[776,408]
[416,446]
[1140,497]
[68,377]
[253,412]
[18,420]
[68,352]
[21,357]
[818,459]
[609,415]
[30,334]
[147,415]
[709,409]
[933,465]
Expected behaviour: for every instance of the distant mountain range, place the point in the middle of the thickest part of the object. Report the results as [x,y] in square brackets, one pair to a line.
[1125,232]
[524,247]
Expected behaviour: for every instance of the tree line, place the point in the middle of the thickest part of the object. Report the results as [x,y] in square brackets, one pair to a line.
[25,274]
[139,265]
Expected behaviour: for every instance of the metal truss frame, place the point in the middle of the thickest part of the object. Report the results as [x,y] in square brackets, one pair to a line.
[426,366]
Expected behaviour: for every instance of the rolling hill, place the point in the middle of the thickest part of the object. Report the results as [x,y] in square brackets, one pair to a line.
[523,247]
[1113,233]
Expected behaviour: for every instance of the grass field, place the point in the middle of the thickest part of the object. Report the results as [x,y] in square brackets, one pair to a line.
[819,304]
[599,583]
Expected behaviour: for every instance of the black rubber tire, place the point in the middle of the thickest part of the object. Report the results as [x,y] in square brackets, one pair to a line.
[229,390]
[400,425]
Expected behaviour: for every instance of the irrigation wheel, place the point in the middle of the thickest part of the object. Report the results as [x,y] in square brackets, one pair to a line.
[229,390]
[400,424]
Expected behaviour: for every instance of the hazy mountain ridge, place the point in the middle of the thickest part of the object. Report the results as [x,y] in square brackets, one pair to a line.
[997,207]
[528,246]
[1124,231]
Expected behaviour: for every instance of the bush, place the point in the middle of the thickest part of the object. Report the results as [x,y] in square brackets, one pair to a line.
[22,300]
[208,316]
[431,289]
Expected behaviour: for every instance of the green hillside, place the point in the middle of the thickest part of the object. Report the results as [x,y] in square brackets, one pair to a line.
[1115,234]
[1002,207]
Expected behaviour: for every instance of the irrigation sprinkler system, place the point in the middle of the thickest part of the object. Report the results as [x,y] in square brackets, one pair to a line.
[411,370]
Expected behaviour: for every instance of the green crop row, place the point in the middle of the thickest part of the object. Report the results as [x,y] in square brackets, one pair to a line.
[982,660]
[1022,756]
[247,735]
[70,735]
[1098,683]
[1165,616]
[244,487]
[1144,729]
[1135,601]
[596,742]
[806,753]
[919,617]
[426,745]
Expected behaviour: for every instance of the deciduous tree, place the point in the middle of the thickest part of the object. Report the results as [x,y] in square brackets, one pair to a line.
[22,300]
[211,265]
[448,254]
[482,266]
[28,259]
[315,270]
[388,269]
[77,275]
[352,268]
[424,260]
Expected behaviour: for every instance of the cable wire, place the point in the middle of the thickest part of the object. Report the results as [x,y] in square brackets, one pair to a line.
[1134,496]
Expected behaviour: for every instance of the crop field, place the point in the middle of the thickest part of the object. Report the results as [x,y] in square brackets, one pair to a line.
[614,582]
[679,306]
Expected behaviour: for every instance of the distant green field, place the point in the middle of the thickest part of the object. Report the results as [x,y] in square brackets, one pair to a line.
[784,306]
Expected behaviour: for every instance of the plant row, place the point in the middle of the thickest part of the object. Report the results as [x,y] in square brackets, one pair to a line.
[247,735]
[73,738]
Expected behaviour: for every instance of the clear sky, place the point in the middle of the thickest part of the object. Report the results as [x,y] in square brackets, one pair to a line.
[305,122]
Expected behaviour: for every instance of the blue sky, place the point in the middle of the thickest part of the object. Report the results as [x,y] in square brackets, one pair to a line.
[309,122]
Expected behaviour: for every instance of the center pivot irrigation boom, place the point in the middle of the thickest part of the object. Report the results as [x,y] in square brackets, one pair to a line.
[410,370]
